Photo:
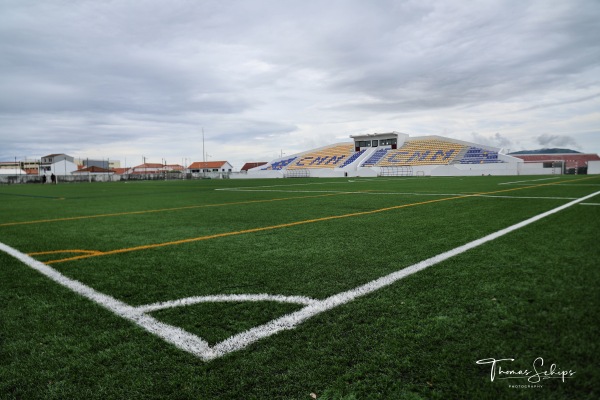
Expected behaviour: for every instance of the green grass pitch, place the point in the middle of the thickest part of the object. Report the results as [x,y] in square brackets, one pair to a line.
[531,293]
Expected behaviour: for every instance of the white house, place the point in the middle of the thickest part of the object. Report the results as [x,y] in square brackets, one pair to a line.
[210,166]
[57,164]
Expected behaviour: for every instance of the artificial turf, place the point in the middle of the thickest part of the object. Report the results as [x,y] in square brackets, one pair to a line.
[532,293]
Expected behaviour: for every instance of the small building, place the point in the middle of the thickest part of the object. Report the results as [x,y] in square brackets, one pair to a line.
[174,168]
[153,168]
[93,170]
[57,164]
[120,171]
[571,162]
[210,166]
[146,168]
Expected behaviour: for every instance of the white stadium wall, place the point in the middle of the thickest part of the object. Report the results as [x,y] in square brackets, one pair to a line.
[537,168]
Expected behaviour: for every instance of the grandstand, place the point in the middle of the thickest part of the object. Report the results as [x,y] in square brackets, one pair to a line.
[397,154]
[328,157]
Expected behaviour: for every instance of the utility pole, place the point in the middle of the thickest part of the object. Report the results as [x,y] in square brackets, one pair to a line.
[203,153]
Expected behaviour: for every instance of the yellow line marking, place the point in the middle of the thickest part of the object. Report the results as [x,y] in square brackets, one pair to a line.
[290,224]
[41,221]
[39,253]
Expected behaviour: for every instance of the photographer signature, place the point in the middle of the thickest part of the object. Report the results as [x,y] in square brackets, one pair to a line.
[500,370]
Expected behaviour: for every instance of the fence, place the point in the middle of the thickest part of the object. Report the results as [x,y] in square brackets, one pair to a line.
[20,179]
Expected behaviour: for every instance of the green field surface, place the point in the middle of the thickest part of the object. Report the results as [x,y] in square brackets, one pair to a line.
[532,294]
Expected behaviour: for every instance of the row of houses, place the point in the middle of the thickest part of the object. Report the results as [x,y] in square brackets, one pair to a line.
[63,164]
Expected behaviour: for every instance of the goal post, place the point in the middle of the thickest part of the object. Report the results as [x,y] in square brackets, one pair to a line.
[401,170]
[297,173]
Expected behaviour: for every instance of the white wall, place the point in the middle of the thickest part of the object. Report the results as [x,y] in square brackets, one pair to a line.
[538,169]
[474,169]
[255,173]
[62,168]
[593,167]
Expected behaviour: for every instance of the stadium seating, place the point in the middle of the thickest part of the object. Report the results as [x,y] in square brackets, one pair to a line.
[352,158]
[330,157]
[421,152]
[278,165]
[412,153]
[477,155]
[375,157]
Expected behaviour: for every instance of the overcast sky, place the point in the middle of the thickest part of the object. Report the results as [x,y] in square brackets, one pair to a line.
[125,79]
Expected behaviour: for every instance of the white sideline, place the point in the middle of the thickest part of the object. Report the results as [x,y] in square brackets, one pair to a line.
[197,346]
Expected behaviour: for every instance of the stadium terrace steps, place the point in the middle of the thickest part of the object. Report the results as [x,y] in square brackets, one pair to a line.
[422,152]
[477,155]
[375,157]
[329,157]
[412,153]
[278,165]
[460,156]
[352,158]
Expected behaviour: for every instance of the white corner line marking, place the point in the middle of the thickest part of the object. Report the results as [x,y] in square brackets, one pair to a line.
[172,334]
[197,346]
[225,298]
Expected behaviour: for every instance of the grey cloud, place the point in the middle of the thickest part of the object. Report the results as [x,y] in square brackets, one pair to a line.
[496,140]
[249,131]
[556,140]
[83,74]
[493,54]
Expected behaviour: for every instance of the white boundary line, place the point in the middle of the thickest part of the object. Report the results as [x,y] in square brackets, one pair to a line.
[580,184]
[197,346]
[356,180]
[405,193]
[530,180]
[589,204]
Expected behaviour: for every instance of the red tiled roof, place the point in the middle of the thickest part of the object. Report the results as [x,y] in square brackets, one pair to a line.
[207,164]
[149,165]
[250,165]
[94,169]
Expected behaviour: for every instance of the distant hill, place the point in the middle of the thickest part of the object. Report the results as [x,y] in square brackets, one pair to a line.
[545,151]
